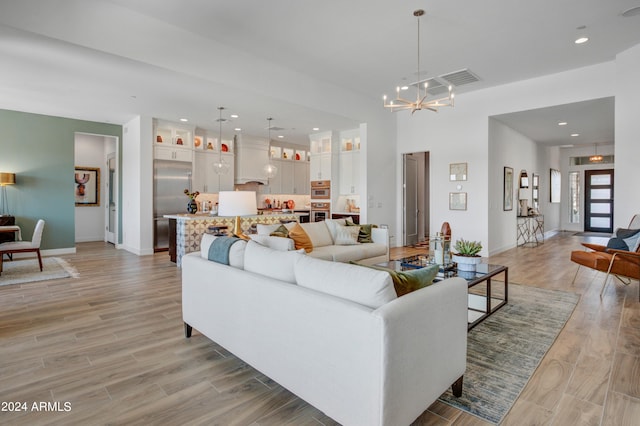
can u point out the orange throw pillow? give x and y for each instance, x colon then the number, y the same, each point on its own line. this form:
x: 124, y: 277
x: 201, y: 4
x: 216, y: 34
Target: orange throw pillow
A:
x: 300, y: 238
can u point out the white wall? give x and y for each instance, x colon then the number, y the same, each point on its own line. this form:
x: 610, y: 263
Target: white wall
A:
x: 461, y: 134
x: 511, y: 149
x: 627, y: 148
x: 89, y: 220
x: 137, y: 186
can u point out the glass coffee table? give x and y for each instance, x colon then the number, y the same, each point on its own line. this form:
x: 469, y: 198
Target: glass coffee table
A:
x: 483, y: 299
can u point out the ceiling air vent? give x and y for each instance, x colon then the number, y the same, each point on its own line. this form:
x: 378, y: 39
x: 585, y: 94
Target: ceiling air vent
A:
x: 435, y: 87
x: 460, y: 78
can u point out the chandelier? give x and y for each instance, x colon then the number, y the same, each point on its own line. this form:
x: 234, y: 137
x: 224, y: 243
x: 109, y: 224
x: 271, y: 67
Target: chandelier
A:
x: 421, y: 101
x: 220, y: 167
x: 596, y: 158
x: 270, y: 170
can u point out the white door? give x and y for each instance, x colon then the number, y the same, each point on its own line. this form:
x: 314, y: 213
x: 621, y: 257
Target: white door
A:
x: 111, y: 204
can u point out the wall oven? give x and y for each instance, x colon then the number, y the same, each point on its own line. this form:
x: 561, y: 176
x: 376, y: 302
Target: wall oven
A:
x: 320, y: 189
x: 319, y: 211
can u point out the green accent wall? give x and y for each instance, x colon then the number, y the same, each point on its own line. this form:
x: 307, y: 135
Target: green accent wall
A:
x: 39, y: 149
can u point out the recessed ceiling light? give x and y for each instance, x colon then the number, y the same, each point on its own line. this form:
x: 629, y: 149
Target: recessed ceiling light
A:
x: 566, y: 146
x: 316, y: 128
x: 238, y: 129
x: 573, y: 135
x: 581, y: 40
x: 184, y: 119
x: 234, y: 115
x: 404, y: 88
x: 280, y: 136
x: 562, y: 123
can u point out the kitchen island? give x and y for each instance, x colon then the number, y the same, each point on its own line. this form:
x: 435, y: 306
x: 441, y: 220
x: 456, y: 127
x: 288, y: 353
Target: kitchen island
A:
x: 185, y: 230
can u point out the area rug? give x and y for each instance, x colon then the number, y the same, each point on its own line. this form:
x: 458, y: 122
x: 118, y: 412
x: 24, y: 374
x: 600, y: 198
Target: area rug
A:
x: 27, y: 270
x: 505, y: 349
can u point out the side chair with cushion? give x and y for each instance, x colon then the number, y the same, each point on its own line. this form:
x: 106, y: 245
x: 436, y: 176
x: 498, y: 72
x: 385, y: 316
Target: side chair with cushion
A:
x: 620, y: 257
x: 24, y: 246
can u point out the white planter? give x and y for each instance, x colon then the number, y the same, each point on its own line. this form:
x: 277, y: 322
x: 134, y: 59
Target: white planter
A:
x: 466, y: 263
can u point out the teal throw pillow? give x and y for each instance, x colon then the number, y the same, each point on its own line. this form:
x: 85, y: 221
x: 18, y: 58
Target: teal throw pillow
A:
x: 625, y: 239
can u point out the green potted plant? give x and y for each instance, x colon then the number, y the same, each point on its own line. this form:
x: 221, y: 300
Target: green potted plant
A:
x: 467, y: 256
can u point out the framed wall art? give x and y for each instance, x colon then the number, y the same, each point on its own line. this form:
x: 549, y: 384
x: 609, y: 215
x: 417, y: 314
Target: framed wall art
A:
x: 554, y: 189
x: 457, y: 171
x: 87, y: 186
x: 457, y: 201
x: 507, y: 196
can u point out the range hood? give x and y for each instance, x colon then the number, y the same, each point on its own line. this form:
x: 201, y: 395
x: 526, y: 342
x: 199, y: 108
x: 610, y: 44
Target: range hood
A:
x: 252, y: 154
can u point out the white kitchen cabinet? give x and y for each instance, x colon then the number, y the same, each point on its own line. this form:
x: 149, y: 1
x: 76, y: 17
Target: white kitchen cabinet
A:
x: 349, y: 172
x: 205, y: 179
x: 320, y: 168
x: 172, y: 153
x: 301, y: 177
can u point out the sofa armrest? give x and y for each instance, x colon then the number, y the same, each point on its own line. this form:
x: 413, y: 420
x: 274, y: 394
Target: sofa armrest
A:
x: 426, y: 344
x: 380, y: 236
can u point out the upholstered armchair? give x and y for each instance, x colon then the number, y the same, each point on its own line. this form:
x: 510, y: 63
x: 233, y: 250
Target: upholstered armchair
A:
x: 32, y: 246
x: 624, y: 264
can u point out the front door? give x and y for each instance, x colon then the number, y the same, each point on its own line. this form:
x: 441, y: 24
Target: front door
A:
x: 598, y: 201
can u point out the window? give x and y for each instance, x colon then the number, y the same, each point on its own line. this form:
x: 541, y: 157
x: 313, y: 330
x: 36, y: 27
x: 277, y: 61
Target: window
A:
x: 574, y: 197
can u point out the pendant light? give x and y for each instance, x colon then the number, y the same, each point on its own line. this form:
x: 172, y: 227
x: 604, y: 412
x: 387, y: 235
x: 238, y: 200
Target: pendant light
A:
x: 596, y: 158
x: 220, y: 167
x: 270, y: 170
x: 421, y: 102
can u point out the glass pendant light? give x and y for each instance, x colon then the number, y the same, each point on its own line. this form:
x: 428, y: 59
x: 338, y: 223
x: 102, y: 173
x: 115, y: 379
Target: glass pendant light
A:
x: 220, y: 167
x: 270, y: 170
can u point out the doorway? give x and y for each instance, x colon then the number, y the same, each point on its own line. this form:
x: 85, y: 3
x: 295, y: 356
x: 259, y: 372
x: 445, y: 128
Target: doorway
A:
x: 598, y: 200
x: 110, y: 203
x: 415, y: 198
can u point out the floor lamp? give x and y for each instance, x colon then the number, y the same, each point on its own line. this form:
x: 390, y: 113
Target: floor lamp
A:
x: 6, y: 179
x: 237, y: 203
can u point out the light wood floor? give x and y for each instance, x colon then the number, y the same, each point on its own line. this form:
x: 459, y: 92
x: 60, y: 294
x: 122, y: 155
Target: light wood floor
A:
x: 111, y: 344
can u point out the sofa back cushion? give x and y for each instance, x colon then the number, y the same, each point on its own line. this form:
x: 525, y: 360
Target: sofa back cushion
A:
x: 366, y: 286
x: 271, y: 263
x: 318, y: 233
x: 236, y: 252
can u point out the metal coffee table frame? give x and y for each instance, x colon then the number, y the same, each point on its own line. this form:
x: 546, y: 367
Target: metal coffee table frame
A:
x: 480, y: 305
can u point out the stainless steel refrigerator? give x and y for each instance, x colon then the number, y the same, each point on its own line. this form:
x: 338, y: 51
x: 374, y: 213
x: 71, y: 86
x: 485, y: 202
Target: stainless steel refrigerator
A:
x: 170, y: 179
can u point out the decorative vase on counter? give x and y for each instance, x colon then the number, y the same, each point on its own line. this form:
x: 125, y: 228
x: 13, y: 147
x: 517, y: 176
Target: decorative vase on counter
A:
x: 192, y: 206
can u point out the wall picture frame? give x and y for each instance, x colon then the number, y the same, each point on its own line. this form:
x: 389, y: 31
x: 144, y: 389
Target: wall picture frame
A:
x: 507, y: 196
x: 87, y: 186
x: 457, y: 201
x: 457, y: 171
x: 554, y: 185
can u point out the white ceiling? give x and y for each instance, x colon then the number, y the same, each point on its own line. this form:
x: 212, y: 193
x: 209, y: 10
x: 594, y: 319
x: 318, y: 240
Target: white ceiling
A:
x: 113, y: 60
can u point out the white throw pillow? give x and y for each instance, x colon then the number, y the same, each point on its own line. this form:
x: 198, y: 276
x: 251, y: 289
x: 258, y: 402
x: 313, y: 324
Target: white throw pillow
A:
x: 346, y: 235
x: 318, y: 233
x: 264, y: 229
x: 366, y: 286
x: 278, y: 243
x: 332, y: 224
x: 271, y: 263
x: 236, y: 252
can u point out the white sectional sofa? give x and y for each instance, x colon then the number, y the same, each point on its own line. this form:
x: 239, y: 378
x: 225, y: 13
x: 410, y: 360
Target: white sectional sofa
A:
x: 334, y: 334
x: 327, y: 247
